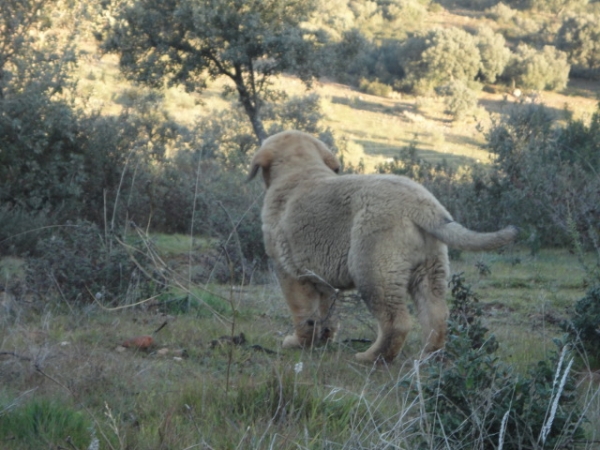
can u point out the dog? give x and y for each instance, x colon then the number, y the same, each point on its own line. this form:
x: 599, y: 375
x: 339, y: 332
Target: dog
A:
x: 384, y: 235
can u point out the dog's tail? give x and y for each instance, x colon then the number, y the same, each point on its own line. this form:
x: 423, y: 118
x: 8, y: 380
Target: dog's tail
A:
x: 454, y: 235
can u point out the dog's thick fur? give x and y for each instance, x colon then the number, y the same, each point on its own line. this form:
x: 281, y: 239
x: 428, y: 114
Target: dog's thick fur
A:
x: 384, y: 235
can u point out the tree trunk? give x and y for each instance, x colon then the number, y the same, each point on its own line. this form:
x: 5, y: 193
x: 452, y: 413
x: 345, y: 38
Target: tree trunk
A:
x: 252, y: 110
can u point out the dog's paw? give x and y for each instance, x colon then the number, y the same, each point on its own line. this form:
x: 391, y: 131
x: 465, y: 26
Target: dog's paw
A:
x: 366, y: 357
x: 291, y: 341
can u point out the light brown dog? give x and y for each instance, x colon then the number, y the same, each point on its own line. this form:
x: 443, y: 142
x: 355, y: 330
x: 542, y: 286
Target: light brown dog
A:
x: 384, y: 235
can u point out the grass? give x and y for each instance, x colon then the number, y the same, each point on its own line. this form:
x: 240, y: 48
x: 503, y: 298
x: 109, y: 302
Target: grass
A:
x: 193, y: 389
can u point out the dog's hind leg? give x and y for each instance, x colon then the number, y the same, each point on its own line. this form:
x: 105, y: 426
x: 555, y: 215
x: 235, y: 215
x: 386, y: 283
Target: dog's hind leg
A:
x: 381, y: 275
x: 428, y: 286
x: 303, y: 299
x: 387, y: 303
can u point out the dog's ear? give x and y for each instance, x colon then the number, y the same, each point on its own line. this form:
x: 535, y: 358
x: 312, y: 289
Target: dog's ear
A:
x: 262, y: 160
x: 329, y: 158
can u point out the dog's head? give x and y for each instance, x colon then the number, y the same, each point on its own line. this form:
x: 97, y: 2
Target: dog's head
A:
x: 291, y: 148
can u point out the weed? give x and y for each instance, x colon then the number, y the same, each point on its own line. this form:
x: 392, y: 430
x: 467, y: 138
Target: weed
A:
x: 473, y: 397
x: 44, y: 423
x: 584, y: 325
x: 77, y: 264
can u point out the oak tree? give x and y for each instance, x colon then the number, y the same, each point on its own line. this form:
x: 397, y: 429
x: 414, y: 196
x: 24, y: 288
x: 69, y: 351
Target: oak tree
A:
x: 189, y: 42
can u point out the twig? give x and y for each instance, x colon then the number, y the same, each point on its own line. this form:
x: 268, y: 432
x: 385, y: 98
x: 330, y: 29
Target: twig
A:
x: 39, y: 369
x: 161, y: 327
x: 116, y: 308
x: 163, y: 266
x: 15, y: 354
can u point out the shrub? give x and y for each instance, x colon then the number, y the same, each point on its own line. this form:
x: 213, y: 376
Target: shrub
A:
x: 579, y: 37
x: 374, y: 87
x: 20, y: 229
x: 540, y: 182
x: 501, y: 12
x: 579, y: 142
x: 79, y: 264
x: 529, y: 68
x: 472, y: 397
x: 494, y: 54
x: 584, y: 325
x: 438, y: 57
x: 458, y: 98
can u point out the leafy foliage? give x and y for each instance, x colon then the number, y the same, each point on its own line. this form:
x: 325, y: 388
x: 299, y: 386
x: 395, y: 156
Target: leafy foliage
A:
x: 560, y: 196
x: 529, y: 68
x: 40, y: 155
x: 493, y: 52
x: 440, y: 56
x: 472, y: 397
x: 78, y: 264
x: 579, y: 37
x: 375, y: 88
x: 458, y: 98
x: 190, y: 42
x: 584, y: 326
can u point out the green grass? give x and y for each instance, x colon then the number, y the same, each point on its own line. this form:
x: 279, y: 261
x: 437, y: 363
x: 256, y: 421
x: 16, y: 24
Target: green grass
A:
x: 196, y: 393
x: 44, y: 423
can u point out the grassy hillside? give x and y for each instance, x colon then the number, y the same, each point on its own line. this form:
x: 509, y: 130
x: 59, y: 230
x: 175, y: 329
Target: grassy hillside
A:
x: 375, y: 128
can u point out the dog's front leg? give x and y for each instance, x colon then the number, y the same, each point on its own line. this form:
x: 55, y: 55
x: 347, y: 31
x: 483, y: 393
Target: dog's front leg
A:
x: 303, y: 299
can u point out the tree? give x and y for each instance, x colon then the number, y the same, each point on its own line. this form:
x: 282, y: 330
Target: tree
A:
x: 31, y: 51
x: 458, y: 98
x: 494, y: 53
x: 530, y: 68
x: 579, y: 36
x: 39, y: 151
x: 189, y: 42
x: 440, y: 56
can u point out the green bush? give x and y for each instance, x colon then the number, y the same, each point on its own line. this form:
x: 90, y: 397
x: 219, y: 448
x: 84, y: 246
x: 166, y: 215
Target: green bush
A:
x: 584, y: 325
x: 458, y: 98
x: 20, y: 230
x: 494, y: 54
x: 79, y: 264
x: 543, y: 178
x: 374, y: 87
x: 472, y: 397
x: 500, y: 12
x: 529, y: 68
x: 579, y: 37
x: 579, y: 142
x: 438, y: 57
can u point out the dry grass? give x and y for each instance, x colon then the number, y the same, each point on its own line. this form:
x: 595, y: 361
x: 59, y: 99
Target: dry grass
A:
x: 375, y: 128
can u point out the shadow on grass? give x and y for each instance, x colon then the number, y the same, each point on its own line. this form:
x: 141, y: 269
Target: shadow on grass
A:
x: 359, y: 103
x: 583, y: 88
x: 386, y: 150
x: 504, y: 106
